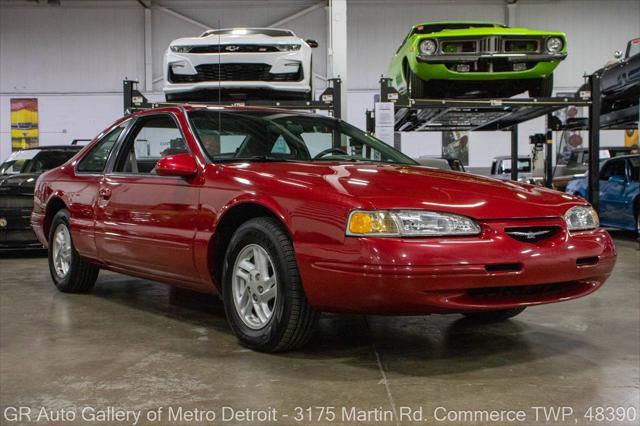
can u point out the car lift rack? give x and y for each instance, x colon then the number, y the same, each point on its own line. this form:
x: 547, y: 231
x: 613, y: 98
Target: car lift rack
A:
x: 505, y: 115
x: 329, y: 100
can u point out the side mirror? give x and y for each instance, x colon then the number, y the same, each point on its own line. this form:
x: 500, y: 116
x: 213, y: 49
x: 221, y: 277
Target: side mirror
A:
x: 181, y: 165
x: 617, y: 54
x: 617, y: 179
x: 312, y: 43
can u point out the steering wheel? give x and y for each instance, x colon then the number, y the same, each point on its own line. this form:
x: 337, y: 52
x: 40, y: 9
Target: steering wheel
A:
x: 329, y: 151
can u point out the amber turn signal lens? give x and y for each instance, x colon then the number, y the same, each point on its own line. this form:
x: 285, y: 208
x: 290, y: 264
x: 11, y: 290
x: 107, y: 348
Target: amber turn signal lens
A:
x: 360, y: 223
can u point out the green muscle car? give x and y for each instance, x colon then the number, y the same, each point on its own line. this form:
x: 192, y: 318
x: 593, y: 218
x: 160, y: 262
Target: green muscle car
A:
x: 476, y: 59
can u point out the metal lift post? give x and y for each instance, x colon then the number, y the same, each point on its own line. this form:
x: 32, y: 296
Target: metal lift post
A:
x: 548, y: 159
x: 514, y: 152
x: 594, y: 141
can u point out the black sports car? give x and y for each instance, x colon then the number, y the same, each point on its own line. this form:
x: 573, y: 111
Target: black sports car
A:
x: 18, y: 176
x: 620, y: 81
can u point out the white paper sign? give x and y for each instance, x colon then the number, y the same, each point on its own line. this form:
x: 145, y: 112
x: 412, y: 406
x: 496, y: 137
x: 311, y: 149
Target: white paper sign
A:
x: 385, y: 120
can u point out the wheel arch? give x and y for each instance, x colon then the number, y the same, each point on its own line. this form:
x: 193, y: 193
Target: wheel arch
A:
x: 405, y: 66
x: 54, y: 205
x: 229, y: 221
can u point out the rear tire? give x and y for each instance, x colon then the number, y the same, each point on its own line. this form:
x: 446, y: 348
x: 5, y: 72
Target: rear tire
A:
x: 542, y: 88
x: 262, y: 291
x: 70, y: 273
x: 493, y: 316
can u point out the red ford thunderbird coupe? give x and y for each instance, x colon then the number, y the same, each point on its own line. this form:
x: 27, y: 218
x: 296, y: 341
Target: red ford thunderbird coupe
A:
x: 286, y: 215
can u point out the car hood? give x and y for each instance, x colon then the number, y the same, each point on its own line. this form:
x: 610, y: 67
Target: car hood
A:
x: 24, y: 183
x: 235, y: 39
x: 383, y: 186
x: 493, y: 31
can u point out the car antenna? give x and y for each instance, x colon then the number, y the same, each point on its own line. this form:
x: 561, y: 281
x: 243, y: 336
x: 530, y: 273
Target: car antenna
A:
x: 219, y: 88
x: 219, y: 66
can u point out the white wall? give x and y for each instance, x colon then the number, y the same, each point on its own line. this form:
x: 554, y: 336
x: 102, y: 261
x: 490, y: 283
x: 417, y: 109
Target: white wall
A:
x: 595, y: 30
x: 73, y: 57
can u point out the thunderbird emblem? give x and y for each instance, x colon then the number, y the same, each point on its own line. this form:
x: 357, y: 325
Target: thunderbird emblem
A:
x: 528, y: 235
x: 232, y: 48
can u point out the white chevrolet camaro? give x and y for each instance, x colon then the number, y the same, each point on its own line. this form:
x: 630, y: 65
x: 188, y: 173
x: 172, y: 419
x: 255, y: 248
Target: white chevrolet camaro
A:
x: 240, y: 63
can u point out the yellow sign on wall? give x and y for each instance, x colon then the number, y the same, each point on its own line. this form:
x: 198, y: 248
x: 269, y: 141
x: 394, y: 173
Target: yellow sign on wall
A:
x: 631, y: 137
x: 24, y: 123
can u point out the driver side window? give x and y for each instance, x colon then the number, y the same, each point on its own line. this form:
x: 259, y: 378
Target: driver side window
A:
x: 612, y: 168
x: 153, y: 138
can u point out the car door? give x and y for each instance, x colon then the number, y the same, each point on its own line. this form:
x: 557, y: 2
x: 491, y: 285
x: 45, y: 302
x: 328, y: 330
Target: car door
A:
x: 630, y: 193
x: 82, y: 191
x: 613, y: 181
x: 146, y: 223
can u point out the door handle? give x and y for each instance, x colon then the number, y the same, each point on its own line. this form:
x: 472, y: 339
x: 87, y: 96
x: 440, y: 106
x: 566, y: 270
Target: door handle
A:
x: 105, y: 193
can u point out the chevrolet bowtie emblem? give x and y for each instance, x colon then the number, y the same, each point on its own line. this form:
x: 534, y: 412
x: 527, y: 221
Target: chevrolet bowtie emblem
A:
x: 231, y: 48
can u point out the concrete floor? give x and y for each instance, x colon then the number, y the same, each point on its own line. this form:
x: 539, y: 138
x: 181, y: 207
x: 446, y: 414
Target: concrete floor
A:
x: 137, y: 345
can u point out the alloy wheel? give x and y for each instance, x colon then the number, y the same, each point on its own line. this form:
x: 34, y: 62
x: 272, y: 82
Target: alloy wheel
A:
x: 254, y: 286
x: 61, y: 249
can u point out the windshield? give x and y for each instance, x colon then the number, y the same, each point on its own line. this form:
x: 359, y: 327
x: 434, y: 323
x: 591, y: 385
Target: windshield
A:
x: 250, y: 31
x: 283, y: 136
x: 633, y: 47
x: 436, y: 28
x: 524, y: 166
x: 34, y: 161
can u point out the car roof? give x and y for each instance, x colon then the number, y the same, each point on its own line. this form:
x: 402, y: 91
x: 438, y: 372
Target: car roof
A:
x: 459, y: 22
x: 186, y: 107
x: 622, y: 157
x: 55, y: 147
x: 212, y: 30
x: 508, y: 157
x: 621, y: 148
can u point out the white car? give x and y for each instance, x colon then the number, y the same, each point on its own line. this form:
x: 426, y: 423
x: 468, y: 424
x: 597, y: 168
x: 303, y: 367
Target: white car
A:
x: 240, y: 63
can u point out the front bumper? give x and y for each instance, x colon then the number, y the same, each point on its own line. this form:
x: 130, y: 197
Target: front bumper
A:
x: 15, y: 230
x: 485, y: 67
x: 511, y: 57
x: 279, y: 63
x: 445, y: 275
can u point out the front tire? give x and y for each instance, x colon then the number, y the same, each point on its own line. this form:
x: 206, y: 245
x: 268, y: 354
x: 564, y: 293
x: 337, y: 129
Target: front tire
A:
x: 70, y: 273
x: 262, y: 292
x: 415, y: 85
x: 493, y: 316
x: 542, y: 88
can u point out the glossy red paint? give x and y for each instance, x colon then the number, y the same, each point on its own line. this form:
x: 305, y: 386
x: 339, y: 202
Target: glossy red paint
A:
x: 163, y: 227
x: 180, y: 165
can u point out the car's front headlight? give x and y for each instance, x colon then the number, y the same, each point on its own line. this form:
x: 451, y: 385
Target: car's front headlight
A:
x: 554, y: 44
x: 180, y: 49
x: 288, y: 47
x: 581, y: 218
x: 428, y: 47
x: 409, y: 223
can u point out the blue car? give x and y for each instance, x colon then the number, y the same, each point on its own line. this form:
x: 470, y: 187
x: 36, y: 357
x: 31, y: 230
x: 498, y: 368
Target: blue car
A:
x: 619, y: 192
